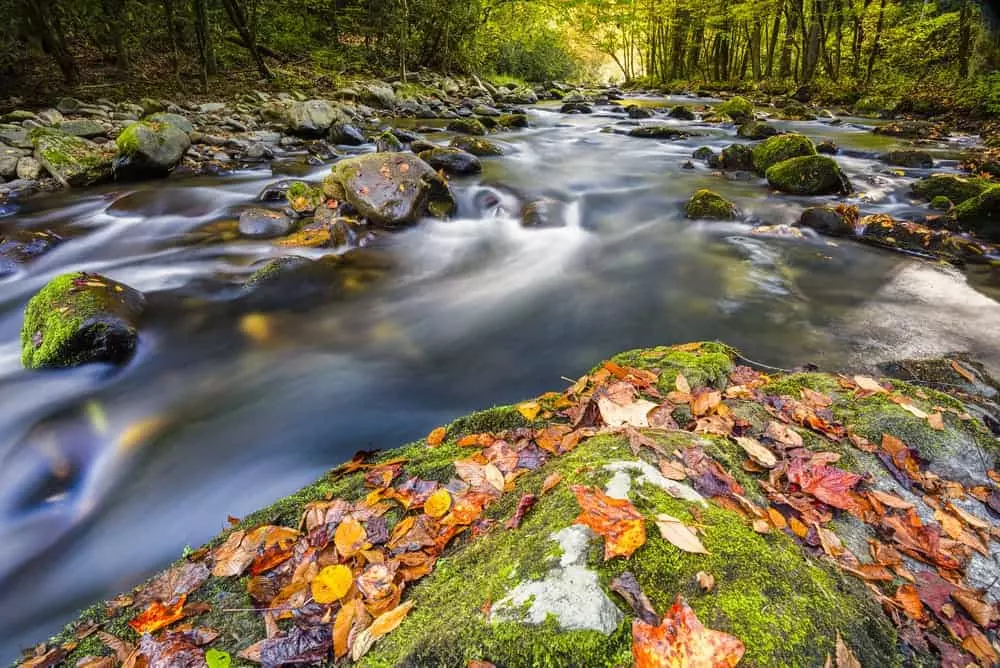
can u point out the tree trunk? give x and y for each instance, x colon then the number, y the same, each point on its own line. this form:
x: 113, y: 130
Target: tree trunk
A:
x: 203, y: 32
x: 43, y: 17
x: 964, y: 38
x: 791, y: 25
x: 772, y: 45
x: 239, y: 21
x: 168, y: 11
x: 877, y: 45
x: 111, y: 14
x: 755, y: 49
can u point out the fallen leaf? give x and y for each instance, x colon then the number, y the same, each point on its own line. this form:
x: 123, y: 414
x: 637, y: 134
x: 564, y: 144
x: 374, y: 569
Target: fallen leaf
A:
x: 827, y: 483
x: 436, y: 437
x: 783, y: 434
x: 672, y: 470
x: 523, y: 506
x: 216, y: 658
x: 529, y: 410
x: 936, y: 421
x: 869, y: 384
x: 158, y: 616
x: 757, y: 452
x: 298, y: 645
x: 331, y: 584
x: 494, y: 477
x: 168, y: 586
x: 845, y: 657
x: 705, y: 580
x: 761, y: 526
x: 680, y: 536
x: 890, y: 500
x: 438, y: 504
x: 682, y: 384
x: 626, y: 586
x: 682, y: 641
x: 622, y: 526
x: 350, y: 537
x: 981, y: 612
x: 551, y: 481
x: 963, y: 372
x: 617, y: 415
x: 342, y: 625
x: 384, y: 624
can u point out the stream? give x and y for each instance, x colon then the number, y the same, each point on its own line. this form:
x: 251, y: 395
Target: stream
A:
x: 468, y: 313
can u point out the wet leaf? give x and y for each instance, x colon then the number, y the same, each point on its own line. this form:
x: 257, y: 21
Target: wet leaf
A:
x: 622, y: 526
x: 438, y: 504
x: 626, y: 586
x: 869, y: 384
x: 672, y: 470
x: 675, y: 532
x: 342, y: 625
x: 331, y: 584
x: 384, y: 624
x: 827, y: 483
x: 551, y: 481
x: 981, y: 612
x: 529, y: 410
x: 845, y: 657
x: 168, y: 586
x: 963, y: 372
x: 682, y: 641
x: 158, y: 616
x: 436, y: 437
x: 783, y: 434
x: 757, y: 452
x: 350, y: 537
x: 494, y: 477
x: 890, y: 500
x: 299, y: 645
x: 936, y: 421
x: 217, y: 658
x: 523, y: 506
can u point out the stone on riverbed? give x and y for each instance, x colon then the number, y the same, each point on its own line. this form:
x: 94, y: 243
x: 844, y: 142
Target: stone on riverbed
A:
x: 19, y: 246
x: 708, y: 205
x: 756, y: 130
x: 73, y: 161
x: 150, y: 148
x: 737, y: 108
x: 658, y: 132
x: 909, y: 158
x: 956, y: 188
x: 346, y: 134
x: 476, y: 146
x: 391, y: 189
x: 452, y: 161
x: 828, y: 221
x: 981, y: 215
x: 79, y: 318
x: 735, y: 157
x: 260, y: 223
x: 777, y: 149
x: 468, y: 126
x: 312, y: 118
x: 809, y: 175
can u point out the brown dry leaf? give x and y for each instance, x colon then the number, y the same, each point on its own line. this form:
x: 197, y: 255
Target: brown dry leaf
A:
x: 705, y: 580
x: 705, y: 401
x: 232, y: 557
x: 158, y: 616
x: 96, y: 662
x: 476, y: 663
x: 890, y: 500
x: 682, y: 641
x: 963, y: 372
x: 951, y: 524
x: 436, y: 437
x: 438, y: 504
x: 845, y: 657
x: 622, y: 526
x: 757, y: 452
x: 969, y: 518
x: 761, y: 526
x: 869, y: 384
x: 179, y: 580
x: 983, y: 613
x: 680, y: 536
x: 634, y: 413
x: 350, y: 537
x: 782, y: 433
x: 493, y: 476
x: 682, y: 384
x: 385, y: 623
x: 672, y: 470
x: 121, y: 648
x: 909, y: 599
x: 936, y: 421
x: 979, y: 646
x: 797, y: 527
x: 816, y: 399
x: 551, y: 481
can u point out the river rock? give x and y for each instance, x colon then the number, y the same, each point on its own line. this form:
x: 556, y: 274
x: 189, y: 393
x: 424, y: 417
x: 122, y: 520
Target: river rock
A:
x: 82, y: 127
x: 777, y: 149
x: 809, y: 175
x: 578, y: 107
x: 708, y: 205
x: 378, y: 95
x: 260, y: 223
x: 827, y: 147
x: 453, y: 161
x: 513, y: 120
x: 912, y: 130
x: 178, y: 121
x: 345, y: 134
x: 392, y: 189
x: 149, y: 148
x: 8, y: 166
x: 658, y: 132
x: 50, y: 117
x: 544, y: 213
x: 73, y: 161
x: 735, y: 157
x: 388, y: 143
x: 312, y: 118
x: 28, y: 168
x: 79, y: 318
x: 19, y: 246
x: 303, y: 198
x: 737, y: 108
x: 476, y: 146
x: 981, y: 215
x: 955, y: 188
x: 68, y: 105
x: 827, y: 221
x: 908, y: 158
x: 469, y: 126
x: 681, y: 113
x: 756, y: 130
x: 636, y: 112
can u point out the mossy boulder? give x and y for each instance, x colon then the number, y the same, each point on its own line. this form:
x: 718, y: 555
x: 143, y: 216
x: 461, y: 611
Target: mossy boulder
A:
x: 681, y: 113
x: 981, y: 215
x: 737, y: 108
x: 708, y: 205
x: 387, y: 142
x: 513, y: 120
x: 150, y: 148
x: 909, y: 158
x: 304, y: 198
x: 182, y: 123
x: 778, y: 149
x: 79, y: 318
x: 703, y: 153
x: 312, y: 118
x: 476, y: 146
x: 809, y: 175
x: 73, y: 161
x: 912, y: 130
x: 956, y: 188
x: 658, y: 132
x: 391, y: 189
x: 453, y: 161
x: 941, y: 203
x: 756, y: 130
x: 467, y: 126
x: 735, y: 157
x: 827, y: 220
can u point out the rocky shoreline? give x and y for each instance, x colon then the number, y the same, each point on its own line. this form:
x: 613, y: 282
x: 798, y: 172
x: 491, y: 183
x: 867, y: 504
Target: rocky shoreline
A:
x: 810, y: 517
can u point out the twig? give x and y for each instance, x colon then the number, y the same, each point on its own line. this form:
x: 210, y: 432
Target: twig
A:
x: 755, y: 363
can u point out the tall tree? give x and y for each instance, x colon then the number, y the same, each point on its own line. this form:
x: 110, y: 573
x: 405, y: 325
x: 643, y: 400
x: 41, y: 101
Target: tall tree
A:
x: 43, y: 18
x: 239, y: 20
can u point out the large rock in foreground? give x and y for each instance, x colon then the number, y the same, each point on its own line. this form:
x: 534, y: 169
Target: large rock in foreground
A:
x: 73, y: 161
x: 150, y: 148
x: 391, y: 189
x: 79, y: 318
x: 981, y: 215
x: 790, y: 512
x: 780, y: 148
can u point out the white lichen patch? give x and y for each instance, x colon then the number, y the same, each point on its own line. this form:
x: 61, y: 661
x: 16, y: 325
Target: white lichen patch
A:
x: 570, y: 593
x: 621, y: 482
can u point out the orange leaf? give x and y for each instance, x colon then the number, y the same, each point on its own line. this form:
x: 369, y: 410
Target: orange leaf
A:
x: 332, y: 584
x: 551, y: 481
x: 342, y: 631
x: 436, y: 437
x: 350, y: 537
x: 622, y: 526
x: 158, y: 616
x: 682, y: 641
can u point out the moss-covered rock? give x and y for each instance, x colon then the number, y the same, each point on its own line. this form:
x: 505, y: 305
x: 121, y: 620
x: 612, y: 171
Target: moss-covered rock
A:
x: 827, y: 220
x: 708, y: 205
x: 703, y: 153
x: 73, y: 161
x: 737, y: 108
x: 681, y: 112
x: 909, y: 158
x: 476, y: 146
x: 304, y: 198
x: 809, y: 175
x: 79, y: 318
x: 941, y: 203
x: 778, y: 149
x: 147, y: 148
x: 391, y: 189
x: 956, y: 188
x: 912, y: 130
x: 981, y: 215
x: 658, y: 132
x: 513, y: 120
x: 735, y: 157
x: 468, y: 126
x: 386, y: 142
x: 756, y: 130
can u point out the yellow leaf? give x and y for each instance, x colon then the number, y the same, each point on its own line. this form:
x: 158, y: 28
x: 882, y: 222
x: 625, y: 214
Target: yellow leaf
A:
x: 331, y: 584
x: 256, y: 327
x: 869, y: 384
x: 529, y: 409
x: 438, y: 503
x: 350, y: 537
x: 436, y: 437
x: 385, y: 623
x: 682, y: 384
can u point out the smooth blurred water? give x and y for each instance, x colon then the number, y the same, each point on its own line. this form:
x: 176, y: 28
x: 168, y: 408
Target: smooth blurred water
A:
x: 474, y: 312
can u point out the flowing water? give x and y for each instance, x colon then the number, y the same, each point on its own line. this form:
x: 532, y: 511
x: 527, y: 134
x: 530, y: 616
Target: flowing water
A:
x: 105, y: 475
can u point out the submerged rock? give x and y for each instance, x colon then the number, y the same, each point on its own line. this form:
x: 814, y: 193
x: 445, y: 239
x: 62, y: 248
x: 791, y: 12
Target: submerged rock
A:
x: 346, y: 134
x: 829, y: 221
x: 79, y: 318
x: 259, y: 223
x: 73, y: 161
x: 476, y: 146
x: 658, y: 132
x: 544, y: 213
x: 18, y: 247
x: 150, y: 148
x: 708, y: 205
x: 392, y: 189
x: 809, y: 175
x: 778, y: 149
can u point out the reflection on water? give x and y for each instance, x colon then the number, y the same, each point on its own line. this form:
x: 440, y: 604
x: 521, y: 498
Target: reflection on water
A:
x: 105, y: 476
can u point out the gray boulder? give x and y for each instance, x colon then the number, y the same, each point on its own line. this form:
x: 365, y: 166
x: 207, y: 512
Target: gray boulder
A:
x: 148, y: 148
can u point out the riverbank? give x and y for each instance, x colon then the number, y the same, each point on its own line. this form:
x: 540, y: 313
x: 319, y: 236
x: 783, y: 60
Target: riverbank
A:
x: 808, y: 515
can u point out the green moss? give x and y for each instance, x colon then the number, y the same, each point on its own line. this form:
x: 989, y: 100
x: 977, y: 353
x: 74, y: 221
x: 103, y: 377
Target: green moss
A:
x: 738, y: 108
x: 128, y: 141
x: 791, y: 385
x: 498, y: 418
x: 736, y: 156
x: 469, y: 126
x: 778, y: 149
x: 708, y: 364
x: 808, y: 175
x: 941, y: 203
x: 304, y: 198
x: 708, y: 205
x: 981, y: 215
x: 955, y: 188
x: 73, y: 161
